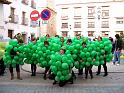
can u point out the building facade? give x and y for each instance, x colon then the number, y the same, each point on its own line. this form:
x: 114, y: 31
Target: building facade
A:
x: 2, y: 2
x: 48, y: 26
x: 17, y: 19
x: 90, y: 18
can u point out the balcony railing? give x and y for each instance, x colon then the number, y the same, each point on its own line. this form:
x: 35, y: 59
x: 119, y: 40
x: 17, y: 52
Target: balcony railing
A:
x: 64, y: 17
x: 6, y: 1
x: 25, y: 2
x: 14, y: 19
x: 77, y: 17
x: 24, y: 21
x: 33, y: 4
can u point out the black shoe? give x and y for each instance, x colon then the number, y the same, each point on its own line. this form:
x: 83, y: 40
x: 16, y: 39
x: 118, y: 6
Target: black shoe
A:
x: 105, y: 75
x: 32, y: 74
x: 85, y: 77
x: 44, y: 77
x: 97, y: 73
x: 91, y: 77
x: 54, y: 82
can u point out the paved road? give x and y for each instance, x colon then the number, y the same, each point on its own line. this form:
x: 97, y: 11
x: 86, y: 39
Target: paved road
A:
x: 34, y: 88
x: 113, y: 83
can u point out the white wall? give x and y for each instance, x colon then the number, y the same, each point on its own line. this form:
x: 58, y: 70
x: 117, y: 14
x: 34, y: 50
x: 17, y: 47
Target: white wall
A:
x: 1, y: 21
x: 115, y: 10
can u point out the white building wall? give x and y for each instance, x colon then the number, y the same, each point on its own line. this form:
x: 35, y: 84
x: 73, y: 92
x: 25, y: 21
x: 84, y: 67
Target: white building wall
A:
x: 115, y: 10
x: 1, y: 21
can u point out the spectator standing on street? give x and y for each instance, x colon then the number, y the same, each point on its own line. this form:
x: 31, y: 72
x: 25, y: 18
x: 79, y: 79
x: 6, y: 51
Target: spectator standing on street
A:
x: 118, y: 48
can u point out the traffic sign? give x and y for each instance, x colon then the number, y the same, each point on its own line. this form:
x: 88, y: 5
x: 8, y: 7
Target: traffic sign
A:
x: 34, y: 15
x: 45, y: 14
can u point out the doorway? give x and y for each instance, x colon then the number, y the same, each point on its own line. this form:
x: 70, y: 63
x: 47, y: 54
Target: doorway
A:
x: 10, y: 33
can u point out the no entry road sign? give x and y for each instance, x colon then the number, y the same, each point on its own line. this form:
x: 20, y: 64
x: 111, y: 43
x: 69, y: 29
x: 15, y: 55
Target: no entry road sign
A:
x: 34, y: 15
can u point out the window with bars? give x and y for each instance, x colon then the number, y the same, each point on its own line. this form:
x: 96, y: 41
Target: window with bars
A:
x: 105, y: 14
x: 64, y: 33
x: 64, y: 25
x: 77, y: 25
x: 105, y: 33
x: 91, y: 24
x: 77, y: 12
x: 64, y: 14
x: 77, y: 33
x: 91, y: 12
x: 105, y: 24
x: 91, y: 33
x: 119, y: 20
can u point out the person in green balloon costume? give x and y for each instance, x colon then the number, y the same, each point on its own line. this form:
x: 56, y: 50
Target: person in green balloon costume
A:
x: 14, y: 53
x: 47, y: 68
x: 70, y: 79
x: 104, y: 65
x: 33, y: 66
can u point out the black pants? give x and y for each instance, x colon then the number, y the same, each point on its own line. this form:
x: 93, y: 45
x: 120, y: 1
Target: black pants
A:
x: 80, y: 71
x: 33, y: 68
x: 17, y: 68
x: 46, y: 70
x: 88, y: 69
x: 2, y: 67
x: 104, y: 66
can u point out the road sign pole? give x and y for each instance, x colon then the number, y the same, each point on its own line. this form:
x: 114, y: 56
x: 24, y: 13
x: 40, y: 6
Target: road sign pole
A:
x: 39, y: 25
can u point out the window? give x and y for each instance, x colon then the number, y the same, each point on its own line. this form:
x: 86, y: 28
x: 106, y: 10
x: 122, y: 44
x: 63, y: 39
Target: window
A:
x: 64, y: 25
x: 77, y: 25
x: 119, y: 20
x: 25, y: 2
x: 77, y: 33
x: 77, y: 12
x: 64, y: 33
x: 90, y: 33
x: 24, y: 19
x: 12, y: 13
x: 91, y: 24
x: 33, y: 4
x: 64, y: 14
x: 105, y: 24
x: 91, y: 12
x: 105, y: 14
x: 105, y: 33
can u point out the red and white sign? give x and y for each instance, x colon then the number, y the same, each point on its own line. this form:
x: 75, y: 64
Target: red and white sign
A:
x: 34, y: 15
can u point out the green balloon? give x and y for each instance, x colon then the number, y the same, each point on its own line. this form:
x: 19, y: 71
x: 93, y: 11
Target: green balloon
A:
x: 93, y: 53
x: 82, y: 54
x: 89, y: 59
x: 106, y: 48
x: 85, y: 50
x: 101, y: 46
x: 76, y: 64
x: 57, y: 78
x: 71, y: 48
x: 65, y: 66
x: 102, y: 51
x: 58, y: 63
x: 54, y: 68
x: 64, y: 59
x: 59, y: 74
x: 75, y: 51
x: 62, y: 78
x: 87, y: 64
x: 96, y: 63
x: 87, y: 54
x: 101, y: 62
x: 74, y: 56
